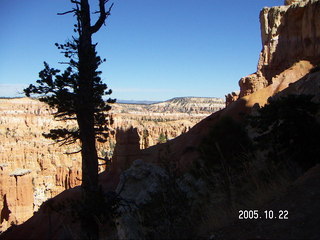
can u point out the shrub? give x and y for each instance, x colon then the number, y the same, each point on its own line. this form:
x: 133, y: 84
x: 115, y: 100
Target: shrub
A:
x: 289, y: 131
x: 224, y: 153
x: 162, y: 138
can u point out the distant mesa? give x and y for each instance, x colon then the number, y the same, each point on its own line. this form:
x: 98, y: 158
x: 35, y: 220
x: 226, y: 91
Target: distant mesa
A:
x: 142, y: 102
x: 196, y: 100
x: 189, y: 105
x: 175, y: 99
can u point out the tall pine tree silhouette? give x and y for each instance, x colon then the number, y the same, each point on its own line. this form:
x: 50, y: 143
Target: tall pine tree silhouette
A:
x: 77, y: 92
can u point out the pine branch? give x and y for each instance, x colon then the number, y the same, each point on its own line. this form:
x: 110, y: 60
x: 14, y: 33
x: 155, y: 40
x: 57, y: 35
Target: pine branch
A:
x: 66, y: 142
x: 66, y: 119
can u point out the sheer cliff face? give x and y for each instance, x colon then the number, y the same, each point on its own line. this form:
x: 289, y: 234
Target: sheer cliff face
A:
x: 289, y: 34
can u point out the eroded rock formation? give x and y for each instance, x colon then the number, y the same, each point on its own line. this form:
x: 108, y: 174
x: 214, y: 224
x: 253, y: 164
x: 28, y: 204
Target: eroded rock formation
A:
x: 16, y: 196
x: 289, y: 34
x: 289, y: 2
x: 127, y: 148
x: 33, y: 169
x: 232, y: 97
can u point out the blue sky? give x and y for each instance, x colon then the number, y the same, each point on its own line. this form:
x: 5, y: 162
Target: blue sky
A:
x: 155, y: 50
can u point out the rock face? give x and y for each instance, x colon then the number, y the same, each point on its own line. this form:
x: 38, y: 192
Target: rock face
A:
x: 232, y: 97
x: 289, y: 34
x: 137, y: 184
x: 16, y: 195
x: 127, y: 148
x: 154, y: 129
x: 32, y: 168
x: 289, y: 2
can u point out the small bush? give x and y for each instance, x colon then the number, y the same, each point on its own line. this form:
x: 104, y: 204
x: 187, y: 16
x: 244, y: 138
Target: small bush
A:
x: 162, y: 138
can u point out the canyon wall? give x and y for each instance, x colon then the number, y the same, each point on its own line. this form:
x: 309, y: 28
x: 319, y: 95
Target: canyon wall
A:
x: 289, y: 34
x: 33, y: 169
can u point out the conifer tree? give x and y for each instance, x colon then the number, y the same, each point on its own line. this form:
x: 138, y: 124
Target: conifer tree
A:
x: 77, y: 92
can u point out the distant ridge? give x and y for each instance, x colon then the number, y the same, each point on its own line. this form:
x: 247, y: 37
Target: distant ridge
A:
x: 11, y: 97
x: 191, y: 99
x: 142, y: 102
x: 174, y: 100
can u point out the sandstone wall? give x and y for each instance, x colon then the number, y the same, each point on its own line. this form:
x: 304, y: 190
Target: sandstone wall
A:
x: 32, y: 169
x: 289, y: 34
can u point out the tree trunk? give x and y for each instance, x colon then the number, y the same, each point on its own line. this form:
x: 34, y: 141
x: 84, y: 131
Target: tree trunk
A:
x: 85, y: 117
x: 85, y: 102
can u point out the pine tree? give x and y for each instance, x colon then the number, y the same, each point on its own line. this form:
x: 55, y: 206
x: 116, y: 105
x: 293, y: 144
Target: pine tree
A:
x: 77, y: 93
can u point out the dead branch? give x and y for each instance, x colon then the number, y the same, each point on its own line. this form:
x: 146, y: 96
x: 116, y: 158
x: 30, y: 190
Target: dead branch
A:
x: 71, y: 153
x: 76, y: 2
x: 103, y: 15
x: 71, y: 11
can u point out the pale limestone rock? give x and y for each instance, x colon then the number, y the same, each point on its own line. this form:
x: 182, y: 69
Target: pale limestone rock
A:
x: 15, y: 197
x: 289, y: 34
x: 140, y: 181
x: 20, y: 172
x: 290, y: 2
x: 143, y: 184
x: 137, y: 184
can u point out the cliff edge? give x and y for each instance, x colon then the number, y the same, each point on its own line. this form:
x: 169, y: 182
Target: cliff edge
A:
x: 289, y: 34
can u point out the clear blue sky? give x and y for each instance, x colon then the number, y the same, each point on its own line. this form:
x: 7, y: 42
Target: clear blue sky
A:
x: 155, y: 50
